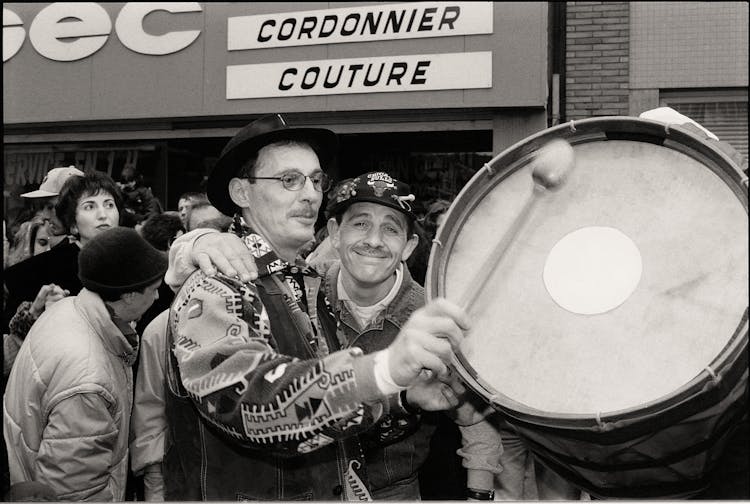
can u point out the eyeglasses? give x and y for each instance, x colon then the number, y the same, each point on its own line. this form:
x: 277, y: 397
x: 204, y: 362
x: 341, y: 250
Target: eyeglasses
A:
x: 294, y: 180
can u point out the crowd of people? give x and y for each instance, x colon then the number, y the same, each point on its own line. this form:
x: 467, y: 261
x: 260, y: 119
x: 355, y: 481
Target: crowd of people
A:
x: 230, y: 350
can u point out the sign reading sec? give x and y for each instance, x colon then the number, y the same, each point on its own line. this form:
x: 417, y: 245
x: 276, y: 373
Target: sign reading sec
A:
x: 70, y: 31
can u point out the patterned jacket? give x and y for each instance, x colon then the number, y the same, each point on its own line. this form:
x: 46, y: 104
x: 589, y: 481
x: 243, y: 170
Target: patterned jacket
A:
x: 271, y: 383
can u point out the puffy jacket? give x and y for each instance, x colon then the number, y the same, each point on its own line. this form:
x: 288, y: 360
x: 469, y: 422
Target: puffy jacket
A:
x: 67, y: 405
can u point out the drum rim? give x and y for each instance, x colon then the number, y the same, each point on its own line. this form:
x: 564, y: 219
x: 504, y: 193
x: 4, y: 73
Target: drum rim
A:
x: 516, y: 157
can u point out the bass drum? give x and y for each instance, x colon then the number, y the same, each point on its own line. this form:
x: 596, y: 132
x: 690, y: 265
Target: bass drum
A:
x: 613, y: 331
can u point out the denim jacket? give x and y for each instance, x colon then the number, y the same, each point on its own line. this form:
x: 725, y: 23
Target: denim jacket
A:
x: 398, y: 445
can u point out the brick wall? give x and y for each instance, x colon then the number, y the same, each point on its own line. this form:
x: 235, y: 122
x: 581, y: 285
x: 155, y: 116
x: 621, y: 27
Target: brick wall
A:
x: 597, y: 64
x: 688, y: 44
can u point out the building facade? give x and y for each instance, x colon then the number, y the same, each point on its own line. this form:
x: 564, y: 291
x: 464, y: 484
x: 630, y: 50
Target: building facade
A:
x: 428, y: 91
x: 623, y: 58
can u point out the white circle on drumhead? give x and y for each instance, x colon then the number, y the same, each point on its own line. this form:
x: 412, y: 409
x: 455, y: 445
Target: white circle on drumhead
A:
x: 592, y: 270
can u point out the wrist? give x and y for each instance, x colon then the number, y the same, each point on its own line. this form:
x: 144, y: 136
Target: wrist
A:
x: 201, y: 233
x: 478, y: 494
x: 406, y: 405
x: 35, y: 310
x: 383, y: 377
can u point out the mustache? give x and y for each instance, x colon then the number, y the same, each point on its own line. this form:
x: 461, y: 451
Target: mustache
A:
x: 308, y: 212
x: 366, y: 250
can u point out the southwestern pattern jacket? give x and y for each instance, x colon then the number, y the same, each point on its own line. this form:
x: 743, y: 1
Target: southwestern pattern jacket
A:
x: 231, y: 365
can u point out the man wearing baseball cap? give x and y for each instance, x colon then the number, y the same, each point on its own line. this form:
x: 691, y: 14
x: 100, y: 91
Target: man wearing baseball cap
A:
x: 281, y: 395
x: 47, y: 194
x: 372, y: 293
x: 69, y: 396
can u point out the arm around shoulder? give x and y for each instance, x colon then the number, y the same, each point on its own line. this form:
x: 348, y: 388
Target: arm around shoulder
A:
x: 227, y: 355
x: 181, y: 264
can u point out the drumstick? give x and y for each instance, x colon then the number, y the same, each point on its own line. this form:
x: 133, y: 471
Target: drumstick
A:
x: 552, y: 164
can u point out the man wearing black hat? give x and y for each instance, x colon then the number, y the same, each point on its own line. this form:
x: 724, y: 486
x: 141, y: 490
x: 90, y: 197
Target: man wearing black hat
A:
x: 281, y: 395
x: 69, y: 396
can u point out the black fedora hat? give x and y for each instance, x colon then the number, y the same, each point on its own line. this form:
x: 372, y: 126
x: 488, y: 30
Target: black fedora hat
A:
x: 249, y: 140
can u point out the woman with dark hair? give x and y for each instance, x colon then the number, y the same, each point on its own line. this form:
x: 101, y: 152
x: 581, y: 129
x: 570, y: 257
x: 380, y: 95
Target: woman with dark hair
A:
x: 86, y: 206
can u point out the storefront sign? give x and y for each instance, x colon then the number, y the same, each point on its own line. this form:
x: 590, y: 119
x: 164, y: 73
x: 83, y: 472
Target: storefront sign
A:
x: 418, y: 72
x: 66, y: 31
x: 359, y: 24
x: 29, y: 167
x: 105, y: 61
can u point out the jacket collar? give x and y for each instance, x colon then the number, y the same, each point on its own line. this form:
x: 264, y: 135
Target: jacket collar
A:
x: 409, y: 297
x: 266, y: 259
x: 93, y: 309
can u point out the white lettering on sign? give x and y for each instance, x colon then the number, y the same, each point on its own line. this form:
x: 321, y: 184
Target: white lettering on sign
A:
x: 129, y: 27
x: 359, y: 24
x: 13, y: 34
x: 70, y: 31
x: 416, y: 72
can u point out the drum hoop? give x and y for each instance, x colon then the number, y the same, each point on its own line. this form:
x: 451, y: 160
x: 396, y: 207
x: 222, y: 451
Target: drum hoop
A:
x: 519, y: 155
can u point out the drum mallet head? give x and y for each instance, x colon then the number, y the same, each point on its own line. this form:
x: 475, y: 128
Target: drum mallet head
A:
x: 552, y: 163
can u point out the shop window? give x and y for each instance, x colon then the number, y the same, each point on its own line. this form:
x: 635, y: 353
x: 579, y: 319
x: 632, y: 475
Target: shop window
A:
x: 435, y: 164
x: 189, y: 163
x: 24, y: 166
x: 724, y: 113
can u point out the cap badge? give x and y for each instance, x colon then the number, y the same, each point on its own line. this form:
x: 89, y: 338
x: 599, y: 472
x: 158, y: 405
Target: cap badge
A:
x: 346, y: 191
x: 380, y: 182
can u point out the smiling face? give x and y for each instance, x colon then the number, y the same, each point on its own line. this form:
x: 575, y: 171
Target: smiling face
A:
x: 95, y: 213
x: 285, y: 218
x: 371, y: 241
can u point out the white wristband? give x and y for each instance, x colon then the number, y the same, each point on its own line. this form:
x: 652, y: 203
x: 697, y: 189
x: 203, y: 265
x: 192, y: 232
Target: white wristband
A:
x: 383, y: 377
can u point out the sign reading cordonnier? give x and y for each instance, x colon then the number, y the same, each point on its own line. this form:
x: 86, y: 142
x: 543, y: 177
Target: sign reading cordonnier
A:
x: 398, y: 73
x: 359, y: 24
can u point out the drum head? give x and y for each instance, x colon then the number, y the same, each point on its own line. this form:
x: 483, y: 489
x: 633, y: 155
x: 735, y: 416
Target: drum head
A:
x: 621, y: 286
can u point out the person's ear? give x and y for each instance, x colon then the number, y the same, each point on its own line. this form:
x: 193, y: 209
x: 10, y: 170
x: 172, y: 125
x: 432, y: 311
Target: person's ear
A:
x: 411, y: 244
x: 239, y: 191
x: 333, y: 231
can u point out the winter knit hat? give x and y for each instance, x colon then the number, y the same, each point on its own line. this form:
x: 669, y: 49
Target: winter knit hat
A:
x: 119, y: 260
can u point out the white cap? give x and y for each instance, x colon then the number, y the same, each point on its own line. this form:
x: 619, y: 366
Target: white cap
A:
x: 53, y: 182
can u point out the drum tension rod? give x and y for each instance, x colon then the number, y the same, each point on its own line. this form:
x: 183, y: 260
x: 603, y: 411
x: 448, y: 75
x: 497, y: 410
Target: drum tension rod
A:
x: 437, y: 242
x: 604, y: 426
x: 490, y: 169
x: 714, y: 377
